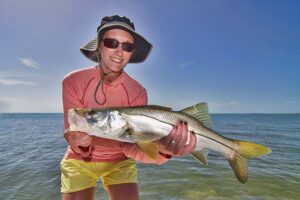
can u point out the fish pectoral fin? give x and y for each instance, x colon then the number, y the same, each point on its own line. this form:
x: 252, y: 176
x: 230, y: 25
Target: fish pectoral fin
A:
x: 150, y: 149
x: 201, y: 155
x: 239, y: 161
x: 200, y: 112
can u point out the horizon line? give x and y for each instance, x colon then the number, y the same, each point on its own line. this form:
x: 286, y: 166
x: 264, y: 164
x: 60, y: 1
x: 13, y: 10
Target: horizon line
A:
x: 209, y: 113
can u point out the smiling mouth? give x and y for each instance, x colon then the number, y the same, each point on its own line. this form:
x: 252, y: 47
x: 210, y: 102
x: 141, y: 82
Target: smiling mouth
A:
x: 117, y: 60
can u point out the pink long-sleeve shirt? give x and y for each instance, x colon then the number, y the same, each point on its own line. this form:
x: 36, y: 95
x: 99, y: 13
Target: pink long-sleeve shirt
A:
x: 78, y: 89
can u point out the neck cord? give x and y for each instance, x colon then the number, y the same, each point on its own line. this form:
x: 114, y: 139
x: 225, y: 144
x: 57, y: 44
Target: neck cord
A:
x: 100, y: 83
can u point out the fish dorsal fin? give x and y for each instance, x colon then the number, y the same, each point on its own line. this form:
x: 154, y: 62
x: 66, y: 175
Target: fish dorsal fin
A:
x: 159, y: 107
x: 201, y: 155
x: 150, y: 149
x: 200, y: 112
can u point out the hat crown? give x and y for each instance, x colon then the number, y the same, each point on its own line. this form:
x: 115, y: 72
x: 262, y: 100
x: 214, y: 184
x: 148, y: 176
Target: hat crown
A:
x: 115, y: 18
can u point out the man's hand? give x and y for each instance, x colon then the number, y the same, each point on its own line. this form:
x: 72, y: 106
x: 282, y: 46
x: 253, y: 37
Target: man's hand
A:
x: 175, y: 142
x: 80, y: 142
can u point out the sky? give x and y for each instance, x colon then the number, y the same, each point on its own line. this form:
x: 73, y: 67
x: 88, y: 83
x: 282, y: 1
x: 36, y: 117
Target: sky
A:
x: 239, y: 56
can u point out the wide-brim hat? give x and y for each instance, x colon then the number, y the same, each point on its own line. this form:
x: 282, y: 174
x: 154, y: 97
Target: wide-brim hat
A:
x: 142, y: 46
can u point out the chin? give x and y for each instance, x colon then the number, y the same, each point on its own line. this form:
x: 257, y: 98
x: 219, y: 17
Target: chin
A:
x: 117, y: 68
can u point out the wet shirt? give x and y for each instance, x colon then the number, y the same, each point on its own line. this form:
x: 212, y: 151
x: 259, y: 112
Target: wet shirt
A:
x: 78, y: 92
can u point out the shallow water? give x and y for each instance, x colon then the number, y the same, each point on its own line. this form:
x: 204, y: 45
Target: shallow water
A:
x: 32, y: 146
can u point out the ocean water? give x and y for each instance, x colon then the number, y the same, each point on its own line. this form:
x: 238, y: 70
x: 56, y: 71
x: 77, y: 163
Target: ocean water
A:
x: 31, y: 147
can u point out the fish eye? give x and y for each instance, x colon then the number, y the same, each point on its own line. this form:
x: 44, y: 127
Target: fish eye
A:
x: 91, y: 112
x: 102, y: 115
x: 97, y: 116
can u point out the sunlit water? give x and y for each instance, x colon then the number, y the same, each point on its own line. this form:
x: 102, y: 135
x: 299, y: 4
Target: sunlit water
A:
x: 32, y: 146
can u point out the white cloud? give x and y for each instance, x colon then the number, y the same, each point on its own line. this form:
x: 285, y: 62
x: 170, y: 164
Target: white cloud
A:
x: 12, y: 79
x: 293, y: 102
x: 29, y: 62
x: 186, y: 64
x: 11, y: 82
x: 11, y: 99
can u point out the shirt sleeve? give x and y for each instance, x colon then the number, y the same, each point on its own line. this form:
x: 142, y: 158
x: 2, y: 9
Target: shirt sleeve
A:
x: 141, y: 99
x: 70, y: 97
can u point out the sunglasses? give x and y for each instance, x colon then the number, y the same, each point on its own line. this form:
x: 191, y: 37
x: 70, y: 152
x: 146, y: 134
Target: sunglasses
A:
x: 113, y: 44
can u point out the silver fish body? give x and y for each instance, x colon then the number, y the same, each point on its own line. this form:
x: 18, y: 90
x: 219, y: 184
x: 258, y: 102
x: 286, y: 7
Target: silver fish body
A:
x: 146, y: 124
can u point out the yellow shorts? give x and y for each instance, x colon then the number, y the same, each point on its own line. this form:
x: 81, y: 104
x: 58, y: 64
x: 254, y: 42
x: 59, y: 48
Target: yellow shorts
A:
x: 78, y: 175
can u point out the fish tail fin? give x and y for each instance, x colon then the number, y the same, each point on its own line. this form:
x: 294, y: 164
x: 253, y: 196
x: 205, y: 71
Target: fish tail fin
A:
x: 239, y: 160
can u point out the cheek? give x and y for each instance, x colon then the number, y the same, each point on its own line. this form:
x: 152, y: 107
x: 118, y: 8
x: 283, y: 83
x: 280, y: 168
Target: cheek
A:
x: 127, y: 55
x: 104, y: 55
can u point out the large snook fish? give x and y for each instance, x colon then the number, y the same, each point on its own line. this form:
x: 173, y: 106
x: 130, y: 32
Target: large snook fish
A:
x: 145, y: 124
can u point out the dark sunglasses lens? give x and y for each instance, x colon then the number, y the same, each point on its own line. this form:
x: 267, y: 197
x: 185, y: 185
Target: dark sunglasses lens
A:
x: 128, y: 47
x: 111, y: 43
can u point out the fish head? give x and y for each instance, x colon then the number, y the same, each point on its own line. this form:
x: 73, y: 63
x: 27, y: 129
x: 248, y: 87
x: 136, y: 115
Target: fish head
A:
x: 97, y: 118
x: 107, y: 123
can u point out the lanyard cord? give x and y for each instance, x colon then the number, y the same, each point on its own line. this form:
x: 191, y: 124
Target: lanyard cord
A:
x: 100, y: 84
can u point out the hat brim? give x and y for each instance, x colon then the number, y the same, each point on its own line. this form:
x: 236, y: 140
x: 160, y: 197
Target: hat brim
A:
x: 141, y: 52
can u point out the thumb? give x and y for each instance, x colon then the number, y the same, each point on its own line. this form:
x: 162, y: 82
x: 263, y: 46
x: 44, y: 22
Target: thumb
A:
x: 76, y: 149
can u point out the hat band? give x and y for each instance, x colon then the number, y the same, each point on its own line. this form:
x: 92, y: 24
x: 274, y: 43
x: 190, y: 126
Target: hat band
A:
x: 122, y: 24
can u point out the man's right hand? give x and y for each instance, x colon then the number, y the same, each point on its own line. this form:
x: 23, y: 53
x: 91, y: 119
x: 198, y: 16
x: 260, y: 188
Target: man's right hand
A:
x: 80, y: 142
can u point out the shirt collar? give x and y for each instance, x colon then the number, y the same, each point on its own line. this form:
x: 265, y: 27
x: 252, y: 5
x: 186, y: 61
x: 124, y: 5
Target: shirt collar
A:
x: 115, y: 82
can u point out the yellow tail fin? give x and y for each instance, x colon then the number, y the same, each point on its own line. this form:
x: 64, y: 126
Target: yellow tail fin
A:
x: 246, y: 150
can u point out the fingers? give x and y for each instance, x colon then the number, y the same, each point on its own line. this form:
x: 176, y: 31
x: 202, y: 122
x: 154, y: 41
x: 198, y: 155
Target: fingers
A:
x: 80, y: 143
x: 76, y: 149
x: 166, y: 141
x: 176, y: 142
x: 175, y: 137
x: 191, y: 146
x: 183, y: 134
x: 181, y: 139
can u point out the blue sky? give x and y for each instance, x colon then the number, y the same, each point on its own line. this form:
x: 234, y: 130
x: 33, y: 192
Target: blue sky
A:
x: 239, y: 56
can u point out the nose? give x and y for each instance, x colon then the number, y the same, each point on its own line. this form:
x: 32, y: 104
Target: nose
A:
x: 119, y: 50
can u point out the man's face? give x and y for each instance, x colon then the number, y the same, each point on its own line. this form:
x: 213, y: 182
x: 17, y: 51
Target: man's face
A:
x: 114, y: 60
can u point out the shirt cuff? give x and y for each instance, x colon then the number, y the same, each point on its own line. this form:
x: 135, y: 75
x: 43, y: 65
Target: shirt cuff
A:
x: 165, y: 155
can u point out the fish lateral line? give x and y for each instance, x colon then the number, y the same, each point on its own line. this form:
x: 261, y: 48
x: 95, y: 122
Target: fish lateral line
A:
x: 195, y: 132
